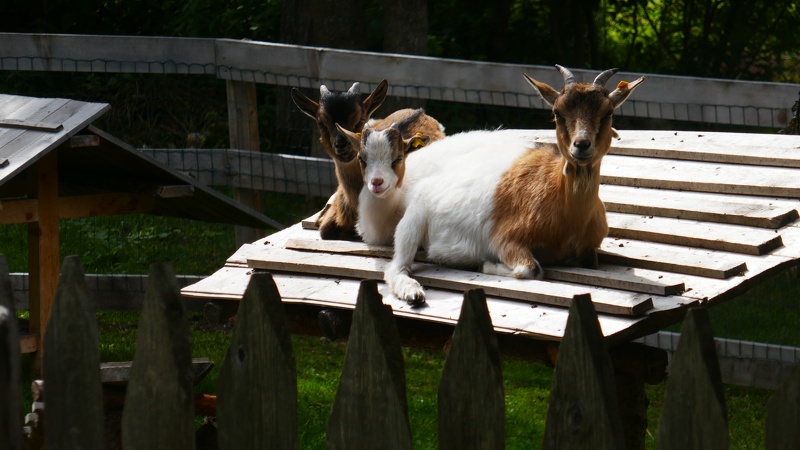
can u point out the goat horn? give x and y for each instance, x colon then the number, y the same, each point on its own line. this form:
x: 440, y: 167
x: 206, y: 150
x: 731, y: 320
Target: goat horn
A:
x: 569, y: 78
x: 353, y: 89
x: 603, y: 77
x: 323, y: 90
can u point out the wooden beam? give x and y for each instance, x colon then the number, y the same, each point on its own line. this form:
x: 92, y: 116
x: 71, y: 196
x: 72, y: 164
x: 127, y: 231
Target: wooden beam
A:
x: 177, y: 191
x: 73, y: 207
x: 43, y: 253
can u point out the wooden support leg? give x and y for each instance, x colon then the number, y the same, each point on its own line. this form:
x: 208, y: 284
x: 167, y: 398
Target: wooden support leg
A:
x: 43, y: 242
x: 243, y: 134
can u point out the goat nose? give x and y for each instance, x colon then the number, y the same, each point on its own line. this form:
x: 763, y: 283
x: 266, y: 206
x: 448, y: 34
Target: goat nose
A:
x: 377, y: 181
x: 582, y: 144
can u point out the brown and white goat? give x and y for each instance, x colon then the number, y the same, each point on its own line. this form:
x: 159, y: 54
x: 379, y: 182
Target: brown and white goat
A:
x: 348, y: 110
x: 384, y: 154
x: 502, y: 202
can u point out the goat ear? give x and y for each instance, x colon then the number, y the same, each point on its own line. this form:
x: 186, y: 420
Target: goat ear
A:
x: 416, y: 142
x: 377, y: 97
x: 547, y: 93
x: 354, y: 138
x: 308, y: 106
x: 622, y: 91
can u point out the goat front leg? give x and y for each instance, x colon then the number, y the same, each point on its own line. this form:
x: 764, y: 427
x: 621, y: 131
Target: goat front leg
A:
x: 515, y: 261
x: 407, y: 239
x: 338, y: 220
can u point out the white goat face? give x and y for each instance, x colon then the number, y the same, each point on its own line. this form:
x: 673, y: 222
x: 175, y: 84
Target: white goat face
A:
x: 381, y: 159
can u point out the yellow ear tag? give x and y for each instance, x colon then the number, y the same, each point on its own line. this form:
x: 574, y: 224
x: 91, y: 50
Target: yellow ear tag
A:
x: 622, y: 85
x: 418, y: 134
x: 358, y: 135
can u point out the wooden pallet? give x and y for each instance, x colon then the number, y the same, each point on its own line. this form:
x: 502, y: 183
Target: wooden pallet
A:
x: 694, y: 218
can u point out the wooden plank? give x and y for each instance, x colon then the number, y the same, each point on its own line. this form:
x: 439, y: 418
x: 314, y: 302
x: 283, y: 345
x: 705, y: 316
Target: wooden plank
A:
x: 694, y: 385
x: 23, y: 108
x: 700, y: 176
x: 783, y: 410
x: 471, y: 394
x: 608, y: 301
x: 29, y: 343
x: 740, y: 210
x: 614, y: 280
x: 370, y: 409
x: 84, y: 140
x: 161, y: 371
x: 670, y: 258
x: 733, y: 148
x: 575, y: 397
x: 508, y: 316
x: 30, y: 125
x: 10, y: 365
x: 119, y: 372
x: 71, y: 366
x: 109, y: 54
x: 252, y: 170
x: 667, y: 97
x: 691, y: 233
x: 257, y: 384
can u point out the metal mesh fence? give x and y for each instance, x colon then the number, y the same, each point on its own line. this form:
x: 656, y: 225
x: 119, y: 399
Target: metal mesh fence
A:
x: 178, y: 113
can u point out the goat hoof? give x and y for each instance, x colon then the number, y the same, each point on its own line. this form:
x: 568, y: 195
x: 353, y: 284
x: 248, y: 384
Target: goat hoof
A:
x: 416, y: 301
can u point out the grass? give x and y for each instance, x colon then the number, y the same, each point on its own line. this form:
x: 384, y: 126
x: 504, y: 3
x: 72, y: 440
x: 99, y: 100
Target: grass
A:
x: 768, y: 313
x: 319, y: 364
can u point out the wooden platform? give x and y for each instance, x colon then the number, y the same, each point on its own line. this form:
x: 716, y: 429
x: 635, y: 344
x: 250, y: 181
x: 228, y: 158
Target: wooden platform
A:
x: 695, y: 218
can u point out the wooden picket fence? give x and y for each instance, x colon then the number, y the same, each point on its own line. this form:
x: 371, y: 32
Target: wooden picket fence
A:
x: 257, y: 385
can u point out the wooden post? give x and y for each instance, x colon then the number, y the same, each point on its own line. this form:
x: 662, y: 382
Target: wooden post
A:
x: 10, y: 407
x: 583, y: 392
x: 159, y: 403
x: 783, y: 414
x: 43, y: 242
x: 694, y: 414
x: 370, y: 409
x: 243, y: 133
x: 257, y: 386
x: 74, y: 414
x: 471, y: 393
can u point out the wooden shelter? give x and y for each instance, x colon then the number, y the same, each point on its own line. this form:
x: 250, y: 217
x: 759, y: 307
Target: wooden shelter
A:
x: 55, y: 165
x: 695, y: 219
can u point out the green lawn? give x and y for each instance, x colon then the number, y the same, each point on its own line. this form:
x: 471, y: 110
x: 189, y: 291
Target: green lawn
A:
x: 768, y: 313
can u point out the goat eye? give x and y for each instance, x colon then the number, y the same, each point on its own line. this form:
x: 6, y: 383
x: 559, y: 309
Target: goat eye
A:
x: 362, y: 161
x: 397, y: 160
x: 558, y: 116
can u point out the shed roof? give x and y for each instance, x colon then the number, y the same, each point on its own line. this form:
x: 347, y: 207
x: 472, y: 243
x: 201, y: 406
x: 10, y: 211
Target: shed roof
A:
x: 92, y: 162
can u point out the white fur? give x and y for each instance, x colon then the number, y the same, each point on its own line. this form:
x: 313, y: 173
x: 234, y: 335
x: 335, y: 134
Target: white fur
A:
x: 450, y: 203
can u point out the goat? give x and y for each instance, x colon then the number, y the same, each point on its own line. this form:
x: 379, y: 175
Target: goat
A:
x: 382, y: 154
x: 503, y: 201
x: 349, y: 111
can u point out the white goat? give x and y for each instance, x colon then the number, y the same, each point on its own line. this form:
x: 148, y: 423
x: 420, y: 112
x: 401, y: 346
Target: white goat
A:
x: 383, y: 154
x: 502, y: 199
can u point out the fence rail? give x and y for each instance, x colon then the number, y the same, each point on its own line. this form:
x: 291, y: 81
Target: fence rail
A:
x: 257, y: 397
x: 691, y: 99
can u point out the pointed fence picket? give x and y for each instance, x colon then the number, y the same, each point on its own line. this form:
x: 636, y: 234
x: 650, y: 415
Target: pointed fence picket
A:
x: 257, y: 389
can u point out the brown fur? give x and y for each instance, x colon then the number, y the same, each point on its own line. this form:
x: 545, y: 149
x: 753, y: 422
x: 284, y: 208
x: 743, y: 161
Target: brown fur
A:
x: 547, y: 205
x: 338, y: 220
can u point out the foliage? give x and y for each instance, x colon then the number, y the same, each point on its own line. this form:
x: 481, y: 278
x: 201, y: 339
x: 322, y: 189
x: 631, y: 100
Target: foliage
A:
x: 717, y: 38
